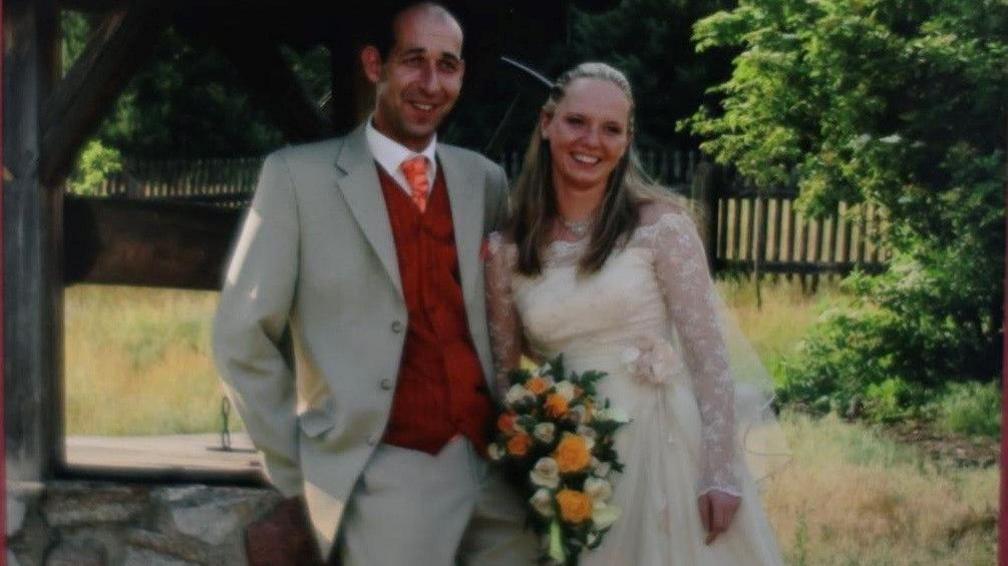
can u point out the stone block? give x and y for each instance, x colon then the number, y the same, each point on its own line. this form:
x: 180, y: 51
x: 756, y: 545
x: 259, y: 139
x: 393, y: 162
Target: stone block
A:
x: 215, y: 514
x: 70, y: 504
x: 145, y: 557
x: 77, y: 553
x: 180, y: 547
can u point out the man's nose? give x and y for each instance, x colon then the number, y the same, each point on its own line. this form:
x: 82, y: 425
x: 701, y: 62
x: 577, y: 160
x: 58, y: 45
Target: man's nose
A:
x: 429, y: 79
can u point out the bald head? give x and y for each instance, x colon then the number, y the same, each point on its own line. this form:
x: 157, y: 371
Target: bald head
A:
x: 387, y: 29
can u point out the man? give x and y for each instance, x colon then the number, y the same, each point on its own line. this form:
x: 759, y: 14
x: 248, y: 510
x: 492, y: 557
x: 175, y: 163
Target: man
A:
x: 367, y: 247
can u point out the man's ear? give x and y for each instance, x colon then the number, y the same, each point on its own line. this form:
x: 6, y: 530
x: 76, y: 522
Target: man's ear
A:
x: 371, y: 63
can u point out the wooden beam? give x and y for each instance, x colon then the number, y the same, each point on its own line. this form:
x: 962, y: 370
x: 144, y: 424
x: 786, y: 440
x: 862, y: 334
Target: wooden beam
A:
x: 1003, y: 496
x: 33, y: 294
x: 351, y: 98
x: 3, y: 181
x: 276, y: 88
x: 120, y: 45
x: 147, y: 243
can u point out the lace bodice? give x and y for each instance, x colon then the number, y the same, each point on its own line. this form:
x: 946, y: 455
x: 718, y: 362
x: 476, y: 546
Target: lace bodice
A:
x: 652, y: 305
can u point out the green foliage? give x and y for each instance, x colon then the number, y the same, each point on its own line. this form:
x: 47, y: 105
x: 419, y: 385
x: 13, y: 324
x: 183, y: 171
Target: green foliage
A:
x: 971, y: 408
x: 96, y: 164
x: 649, y: 40
x: 188, y: 101
x: 891, y: 400
x: 899, y: 103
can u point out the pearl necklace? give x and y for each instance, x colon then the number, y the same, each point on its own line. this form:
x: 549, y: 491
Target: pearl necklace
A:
x: 577, y: 227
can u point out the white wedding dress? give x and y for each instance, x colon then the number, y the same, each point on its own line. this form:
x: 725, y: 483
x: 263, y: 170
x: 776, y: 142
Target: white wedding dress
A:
x: 647, y: 318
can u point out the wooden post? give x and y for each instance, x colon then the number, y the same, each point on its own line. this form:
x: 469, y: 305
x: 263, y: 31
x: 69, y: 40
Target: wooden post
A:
x: 32, y: 221
x: 759, y: 219
x: 3, y: 181
x: 705, y: 198
x: 1003, y: 509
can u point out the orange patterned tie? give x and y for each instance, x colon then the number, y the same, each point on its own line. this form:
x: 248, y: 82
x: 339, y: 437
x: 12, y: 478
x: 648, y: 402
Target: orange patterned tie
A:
x: 415, y: 169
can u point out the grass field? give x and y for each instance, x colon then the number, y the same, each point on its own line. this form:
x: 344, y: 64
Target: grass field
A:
x: 137, y: 362
x: 850, y: 497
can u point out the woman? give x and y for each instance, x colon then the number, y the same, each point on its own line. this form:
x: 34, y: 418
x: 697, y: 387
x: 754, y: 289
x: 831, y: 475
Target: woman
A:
x: 600, y: 266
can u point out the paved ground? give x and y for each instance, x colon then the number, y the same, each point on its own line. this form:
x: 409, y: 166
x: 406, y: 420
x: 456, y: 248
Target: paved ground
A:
x: 189, y: 451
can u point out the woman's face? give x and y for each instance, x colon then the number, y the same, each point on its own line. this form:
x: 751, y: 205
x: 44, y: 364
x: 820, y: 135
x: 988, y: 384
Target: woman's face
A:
x: 588, y: 133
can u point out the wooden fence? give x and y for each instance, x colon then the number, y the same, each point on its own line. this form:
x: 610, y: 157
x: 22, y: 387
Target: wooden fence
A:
x: 745, y: 230
x: 220, y: 182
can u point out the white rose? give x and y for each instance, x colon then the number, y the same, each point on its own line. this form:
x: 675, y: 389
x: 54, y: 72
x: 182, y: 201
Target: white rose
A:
x: 598, y: 489
x: 495, y: 452
x: 545, y: 432
x: 517, y: 394
x: 565, y: 389
x: 611, y: 414
x: 604, y: 515
x: 542, y: 502
x: 546, y: 473
x: 577, y: 414
x: 602, y: 469
x: 587, y: 432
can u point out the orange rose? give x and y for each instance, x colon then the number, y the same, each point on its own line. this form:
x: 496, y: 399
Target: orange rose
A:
x: 575, y: 507
x: 572, y: 454
x: 537, y: 385
x: 519, y: 444
x: 556, y: 405
x: 506, y: 423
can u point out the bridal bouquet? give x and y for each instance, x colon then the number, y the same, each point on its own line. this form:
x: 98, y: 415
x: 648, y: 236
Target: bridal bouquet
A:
x: 557, y: 436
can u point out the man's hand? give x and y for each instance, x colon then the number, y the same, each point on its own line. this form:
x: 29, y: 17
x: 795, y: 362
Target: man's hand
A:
x: 717, y: 509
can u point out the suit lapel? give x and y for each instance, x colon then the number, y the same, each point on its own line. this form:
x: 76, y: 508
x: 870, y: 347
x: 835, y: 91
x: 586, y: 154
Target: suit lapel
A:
x: 465, y: 194
x: 357, y: 179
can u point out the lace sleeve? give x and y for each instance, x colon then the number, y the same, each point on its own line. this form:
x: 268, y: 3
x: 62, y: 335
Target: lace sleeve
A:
x: 681, y: 269
x: 502, y: 315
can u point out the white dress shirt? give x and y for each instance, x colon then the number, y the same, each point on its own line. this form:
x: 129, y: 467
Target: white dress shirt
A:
x: 390, y: 155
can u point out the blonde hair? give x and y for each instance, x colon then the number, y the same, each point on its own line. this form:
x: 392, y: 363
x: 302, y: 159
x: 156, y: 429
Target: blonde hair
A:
x: 627, y: 189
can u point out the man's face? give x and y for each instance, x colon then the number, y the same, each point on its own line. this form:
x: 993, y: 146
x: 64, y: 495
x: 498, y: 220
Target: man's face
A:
x: 419, y: 83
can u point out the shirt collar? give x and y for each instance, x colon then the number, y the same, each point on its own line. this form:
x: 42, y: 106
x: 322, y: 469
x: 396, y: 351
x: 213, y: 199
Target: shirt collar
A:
x: 390, y: 154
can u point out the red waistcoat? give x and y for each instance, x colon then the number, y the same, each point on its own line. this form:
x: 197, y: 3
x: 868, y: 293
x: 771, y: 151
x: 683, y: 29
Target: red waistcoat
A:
x: 440, y: 391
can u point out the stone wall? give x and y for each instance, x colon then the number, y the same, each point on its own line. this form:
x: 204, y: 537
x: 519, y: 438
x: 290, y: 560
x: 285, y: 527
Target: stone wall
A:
x: 63, y: 523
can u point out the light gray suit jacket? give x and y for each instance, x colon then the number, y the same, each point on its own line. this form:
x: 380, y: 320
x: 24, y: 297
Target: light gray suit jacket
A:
x: 316, y: 253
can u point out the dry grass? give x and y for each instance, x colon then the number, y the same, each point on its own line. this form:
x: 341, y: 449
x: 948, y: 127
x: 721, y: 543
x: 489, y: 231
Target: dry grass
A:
x: 787, y: 312
x: 137, y: 361
x: 850, y: 497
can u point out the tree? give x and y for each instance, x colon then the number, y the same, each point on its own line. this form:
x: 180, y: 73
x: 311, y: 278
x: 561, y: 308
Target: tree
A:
x: 650, y: 41
x: 188, y: 102
x: 900, y: 103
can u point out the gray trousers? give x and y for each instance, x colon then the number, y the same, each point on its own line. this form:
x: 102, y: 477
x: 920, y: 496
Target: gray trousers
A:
x: 412, y: 508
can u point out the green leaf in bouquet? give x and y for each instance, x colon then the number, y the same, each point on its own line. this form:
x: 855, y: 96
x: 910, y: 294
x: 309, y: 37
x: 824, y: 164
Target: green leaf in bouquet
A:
x: 519, y: 376
x: 556, y: 546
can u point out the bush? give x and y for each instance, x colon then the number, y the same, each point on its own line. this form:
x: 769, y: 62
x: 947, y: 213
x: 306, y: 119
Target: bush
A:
x: 96, y: 164
x: 971, y: 408
x: 899, y: 104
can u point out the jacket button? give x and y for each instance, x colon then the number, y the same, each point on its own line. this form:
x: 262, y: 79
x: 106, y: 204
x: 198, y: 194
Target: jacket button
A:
x: 386, y: 384
x: 397, y: 326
